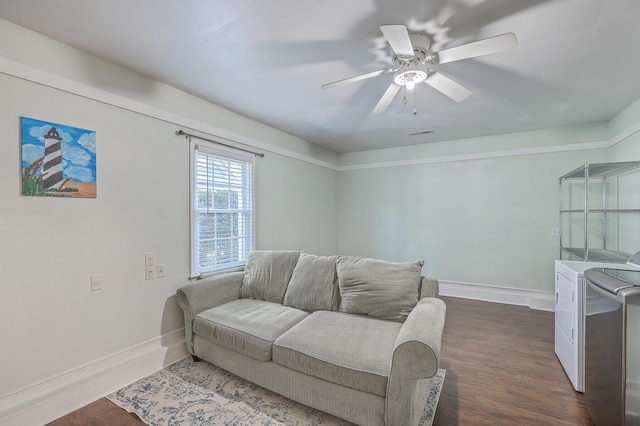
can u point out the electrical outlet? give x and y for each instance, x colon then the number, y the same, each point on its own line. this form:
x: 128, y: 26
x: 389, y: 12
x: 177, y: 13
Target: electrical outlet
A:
x: 149, y: 273
x: 96, y: 282
x: 160, y: 271
x: 149, y: 258
x: 555, y: 231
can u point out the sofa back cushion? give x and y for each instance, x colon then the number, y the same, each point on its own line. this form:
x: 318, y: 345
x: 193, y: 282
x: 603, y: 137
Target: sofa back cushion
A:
x: 267, y: 274
x: 314, y: 284
x: 384, y: 290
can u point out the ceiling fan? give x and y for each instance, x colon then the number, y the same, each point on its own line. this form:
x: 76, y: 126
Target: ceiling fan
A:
x: 412, y: 59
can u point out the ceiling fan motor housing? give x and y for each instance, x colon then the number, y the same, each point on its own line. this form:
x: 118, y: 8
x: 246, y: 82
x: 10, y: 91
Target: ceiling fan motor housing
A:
x: 420, y: 44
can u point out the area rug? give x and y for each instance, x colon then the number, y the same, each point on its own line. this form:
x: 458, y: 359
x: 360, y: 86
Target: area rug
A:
x: 199, y: 393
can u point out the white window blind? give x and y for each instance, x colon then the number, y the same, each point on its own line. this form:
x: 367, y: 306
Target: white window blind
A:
x: 222, y: 209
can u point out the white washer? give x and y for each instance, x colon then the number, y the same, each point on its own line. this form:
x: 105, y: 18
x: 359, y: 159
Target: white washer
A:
x: 570, y: 300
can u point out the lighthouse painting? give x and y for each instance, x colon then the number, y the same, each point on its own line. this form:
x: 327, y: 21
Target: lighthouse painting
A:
x: 57, y: 160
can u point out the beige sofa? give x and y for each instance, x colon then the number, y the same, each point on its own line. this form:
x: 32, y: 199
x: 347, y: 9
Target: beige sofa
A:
x: 355, y: 337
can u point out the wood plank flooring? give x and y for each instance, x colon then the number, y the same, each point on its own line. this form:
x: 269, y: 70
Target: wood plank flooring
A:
x: 501, y: 370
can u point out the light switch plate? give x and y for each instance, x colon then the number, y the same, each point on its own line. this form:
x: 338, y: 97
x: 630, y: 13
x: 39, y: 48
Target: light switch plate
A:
x: 160, y: 270
x: 149, y: 258
x: 149, y: 273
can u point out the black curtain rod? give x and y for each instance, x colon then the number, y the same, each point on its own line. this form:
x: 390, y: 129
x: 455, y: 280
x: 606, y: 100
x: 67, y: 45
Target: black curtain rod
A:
x: 182, y: 133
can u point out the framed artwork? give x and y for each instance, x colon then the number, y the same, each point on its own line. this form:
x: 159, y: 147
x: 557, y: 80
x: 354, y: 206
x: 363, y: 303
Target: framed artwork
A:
x: 57, y: 160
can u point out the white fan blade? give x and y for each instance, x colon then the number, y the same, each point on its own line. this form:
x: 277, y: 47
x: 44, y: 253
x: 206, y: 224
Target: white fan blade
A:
x: 356, y: 78
x: 398, y: 38
x: 386, y: 99
x: 448, y: 87
x: 478, y: 48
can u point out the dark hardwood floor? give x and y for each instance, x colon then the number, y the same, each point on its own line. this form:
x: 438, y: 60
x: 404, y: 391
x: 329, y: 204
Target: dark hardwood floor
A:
x: 501, y: 370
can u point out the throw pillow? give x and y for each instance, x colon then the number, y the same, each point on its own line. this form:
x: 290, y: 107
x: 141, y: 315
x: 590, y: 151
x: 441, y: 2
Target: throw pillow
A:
x: 313, y: 285
x: 384, y: 290
x: 267, y: 274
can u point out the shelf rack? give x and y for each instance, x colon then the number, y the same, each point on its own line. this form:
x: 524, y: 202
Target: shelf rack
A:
x: 599, y: 173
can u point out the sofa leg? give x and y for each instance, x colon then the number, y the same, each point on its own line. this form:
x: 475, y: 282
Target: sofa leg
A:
x: 196, y: 359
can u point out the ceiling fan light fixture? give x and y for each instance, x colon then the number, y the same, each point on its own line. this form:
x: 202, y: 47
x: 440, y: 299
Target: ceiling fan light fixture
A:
x: 410, y: 76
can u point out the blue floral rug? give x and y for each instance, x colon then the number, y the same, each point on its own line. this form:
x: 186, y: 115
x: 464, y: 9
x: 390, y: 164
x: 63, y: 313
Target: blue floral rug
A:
x: 198, y: 393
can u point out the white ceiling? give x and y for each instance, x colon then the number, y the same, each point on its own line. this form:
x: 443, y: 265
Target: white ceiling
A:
x: 577, y: 61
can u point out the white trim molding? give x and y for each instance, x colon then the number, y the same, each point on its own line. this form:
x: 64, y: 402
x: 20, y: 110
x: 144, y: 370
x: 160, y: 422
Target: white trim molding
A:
x: 53, y: 398
x: 57, y: 82
x: 481, y: 155
x: 626, y: 133
x: 534, y: 299
x: 54, y: 81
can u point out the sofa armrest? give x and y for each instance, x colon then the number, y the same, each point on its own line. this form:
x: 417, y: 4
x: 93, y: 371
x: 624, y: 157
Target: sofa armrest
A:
x: 205, y: 294
x: 429, y: 287
x: 416, y: 358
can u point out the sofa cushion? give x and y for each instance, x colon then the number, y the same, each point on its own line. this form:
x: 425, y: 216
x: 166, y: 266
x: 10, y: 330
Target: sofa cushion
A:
x: 384, y: 290
x: 314, y: 284
x: 267, y: 274
x: 349, y: 350
x: 247, y: 326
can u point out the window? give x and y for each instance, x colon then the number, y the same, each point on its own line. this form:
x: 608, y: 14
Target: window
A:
x: 222, y: 219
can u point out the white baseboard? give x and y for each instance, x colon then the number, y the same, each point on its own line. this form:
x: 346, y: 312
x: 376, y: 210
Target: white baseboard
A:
x: 51, y: 399
x: 534, y: 299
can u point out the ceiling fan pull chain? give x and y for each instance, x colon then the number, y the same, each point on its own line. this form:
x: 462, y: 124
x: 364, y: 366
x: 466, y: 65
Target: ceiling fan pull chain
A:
x: 404, y: 98
x: 415, y: 95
